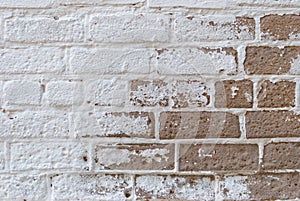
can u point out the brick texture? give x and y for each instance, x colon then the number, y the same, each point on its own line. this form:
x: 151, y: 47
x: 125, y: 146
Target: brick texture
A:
x: 143, y: 100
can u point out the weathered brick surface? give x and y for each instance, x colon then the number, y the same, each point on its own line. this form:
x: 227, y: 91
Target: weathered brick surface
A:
x: 276, y: 94
x: 44, y: 29
x: 117, y: 124
x: 91, y: 187
x: 197, y: 28
x: 111, y: 61
x: 219, y: 4
x: 130, y: 28
x: 270, y: 124
x: 34, y: 124
x: 189, y: 125
x: 186, y: 61
x: 216, y: 157
x: 234, y: 94
x: 175, y: 187
x: 139, y: 156
x: 124, y: 100
x: 272, y: 60
x: 261, y: 187
x: 49, y: 155
x: 280, y: 27
x: 281, y: 156
x: 32, y: 60
x: 23, y: 187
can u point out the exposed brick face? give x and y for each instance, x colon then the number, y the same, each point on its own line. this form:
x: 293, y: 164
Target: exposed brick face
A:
x: 270, y: 124
x: 216, y: 157
x: 277, y: 27
x: 190, y: 125
x: 276, y: 94
x: 143, y: 100
x: 234, y: 94
x: 281, y: 156
x: 264, y: 60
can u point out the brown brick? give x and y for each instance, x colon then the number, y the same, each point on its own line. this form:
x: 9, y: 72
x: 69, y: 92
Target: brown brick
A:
x: 149, y: 93
x: 270, y: 60
x: 276, y: 94
x: 234, y: 94
x: 283, y: 186
x: 179, y: 188
x: 135, y: 156
x: 190, y: 125
x: 282, y: 156
x: 186, y: 93
x: 276, y: 27
x: 269, y: 124
x: 220, y: 157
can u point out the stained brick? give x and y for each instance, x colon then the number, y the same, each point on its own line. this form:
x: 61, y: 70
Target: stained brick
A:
x: 216, y: 157
x: 180, y: 125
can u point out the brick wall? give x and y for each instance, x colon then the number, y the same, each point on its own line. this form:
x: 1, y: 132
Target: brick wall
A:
x: 149, y: 100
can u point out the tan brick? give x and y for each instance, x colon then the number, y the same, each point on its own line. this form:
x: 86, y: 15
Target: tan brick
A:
x: 186, y: 93
x: 282, y: 156
x: 269, y: 124
x: 198, y: 28
x: 276, y: 94
x: 157, y: 187
x: 198, y: 125
x: 261, y: 187
x: 114, y: 124
x: 234, y: 94
x: 149, y: 93
x: 135, y: 156
x: 272, y: 60
x: 212, y: 157
x: 276, y: 27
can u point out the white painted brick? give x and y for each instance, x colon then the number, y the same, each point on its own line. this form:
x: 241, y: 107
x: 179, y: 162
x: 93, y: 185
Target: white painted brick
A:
x: 110, y: 61
x: 183, y: 188
x: 32, y: 124
x: 26, y: 3
x: 197, y: 61
x: 2, y: 156
x: 32, y: 60
x: 112, y: 92
x: 130, y: 28
x: 100, y: 2
x: 218, y: 3
x: 63, y: 93
x: 213, y: 28
x: 23, y: 187
x: 117, y: 124
x: 92, y: 187
x: 20, y: 92
x: 39, y: 29
x: 48, y: 155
